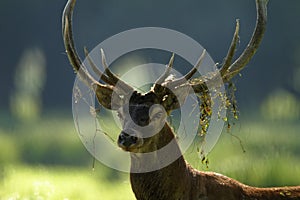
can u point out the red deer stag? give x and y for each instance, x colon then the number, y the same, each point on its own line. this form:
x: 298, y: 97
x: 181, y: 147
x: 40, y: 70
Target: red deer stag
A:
x: 178, y: 180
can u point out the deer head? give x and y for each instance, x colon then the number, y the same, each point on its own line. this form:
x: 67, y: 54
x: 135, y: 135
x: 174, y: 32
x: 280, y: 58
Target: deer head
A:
x: 143, y: 116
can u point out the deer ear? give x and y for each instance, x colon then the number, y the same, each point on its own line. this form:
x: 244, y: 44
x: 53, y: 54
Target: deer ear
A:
x: 107, y: 97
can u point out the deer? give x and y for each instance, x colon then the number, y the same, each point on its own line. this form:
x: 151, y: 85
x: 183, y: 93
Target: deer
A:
x: 178, y: 180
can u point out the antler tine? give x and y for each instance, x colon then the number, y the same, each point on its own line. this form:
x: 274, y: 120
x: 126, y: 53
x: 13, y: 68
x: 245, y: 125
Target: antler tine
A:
x: 248, y: 53
x: 114, y: 78
x: 195, y: 68
x: 231, y: 50
x: 189, y: 75
x: 228, y: 70
x: 95, y: 68
x: 68, y: 35
x: 69, y: 44
x: 165, y: 75
x: 110, y: 74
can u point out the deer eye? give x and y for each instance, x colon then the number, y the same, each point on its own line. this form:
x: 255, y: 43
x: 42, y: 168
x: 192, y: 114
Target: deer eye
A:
x: 157, y: 115
x: 143, y: 119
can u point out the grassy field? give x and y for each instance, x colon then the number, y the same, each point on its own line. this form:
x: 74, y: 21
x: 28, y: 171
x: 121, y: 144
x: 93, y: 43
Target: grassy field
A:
x: 65, y: 183
x: 46, y: 160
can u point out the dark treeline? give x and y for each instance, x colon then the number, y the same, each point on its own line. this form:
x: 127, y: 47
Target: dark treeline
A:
x: 37, y: 24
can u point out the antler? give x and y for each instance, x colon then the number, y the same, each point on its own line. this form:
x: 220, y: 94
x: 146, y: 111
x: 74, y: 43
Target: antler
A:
x: 167, y: 90
x: 228, y: 70
x: 231, y: 69
x: 253, y: 45
x: 108, y: 77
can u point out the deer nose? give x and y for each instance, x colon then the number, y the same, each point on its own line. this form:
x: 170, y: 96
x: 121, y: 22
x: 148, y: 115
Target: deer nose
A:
x: 125, y: 140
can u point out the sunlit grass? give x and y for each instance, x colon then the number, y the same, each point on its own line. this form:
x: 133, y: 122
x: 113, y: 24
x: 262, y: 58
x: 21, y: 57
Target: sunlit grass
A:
x: 46, y: 160
x: 23, y: 182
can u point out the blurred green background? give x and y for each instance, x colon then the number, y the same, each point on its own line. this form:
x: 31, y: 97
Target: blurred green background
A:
x: 41, y: 155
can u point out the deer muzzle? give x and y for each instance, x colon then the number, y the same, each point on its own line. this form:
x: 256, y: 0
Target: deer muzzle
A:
x: 128, y: 141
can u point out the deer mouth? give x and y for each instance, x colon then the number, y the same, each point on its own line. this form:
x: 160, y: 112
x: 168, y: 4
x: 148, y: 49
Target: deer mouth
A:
x: 132, y: 148
x: 128, y: 142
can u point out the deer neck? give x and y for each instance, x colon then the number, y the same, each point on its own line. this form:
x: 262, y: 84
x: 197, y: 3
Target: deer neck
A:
x: 145, y: 181
x: 160, y: 151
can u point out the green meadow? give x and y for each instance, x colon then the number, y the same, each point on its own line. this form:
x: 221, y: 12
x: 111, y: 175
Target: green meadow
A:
x: 46, y: 160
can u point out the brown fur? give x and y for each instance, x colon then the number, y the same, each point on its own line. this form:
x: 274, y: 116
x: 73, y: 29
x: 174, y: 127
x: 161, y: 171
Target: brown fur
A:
x: 179, y: 181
